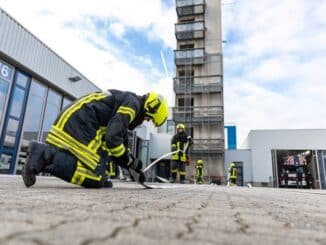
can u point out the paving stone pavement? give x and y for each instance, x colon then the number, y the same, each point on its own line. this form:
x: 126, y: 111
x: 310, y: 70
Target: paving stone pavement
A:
x: 55, y: 212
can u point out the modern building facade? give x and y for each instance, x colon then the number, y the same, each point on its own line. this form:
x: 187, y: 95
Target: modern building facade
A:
x: 35, y: 84
x: 270, y: 155
x: 198, y: 84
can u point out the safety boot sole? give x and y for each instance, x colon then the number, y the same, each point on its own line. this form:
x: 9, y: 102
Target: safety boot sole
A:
x: 33, y: 163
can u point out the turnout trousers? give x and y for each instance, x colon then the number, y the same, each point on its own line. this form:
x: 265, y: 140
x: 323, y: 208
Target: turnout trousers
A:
x: 178, y: 167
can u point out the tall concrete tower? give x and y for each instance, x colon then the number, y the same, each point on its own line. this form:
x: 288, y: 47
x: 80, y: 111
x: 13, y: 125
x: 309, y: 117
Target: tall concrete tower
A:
x: 198, y: 82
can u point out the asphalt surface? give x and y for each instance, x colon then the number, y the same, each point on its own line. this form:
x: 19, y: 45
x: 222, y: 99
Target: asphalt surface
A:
x: 55, y: 212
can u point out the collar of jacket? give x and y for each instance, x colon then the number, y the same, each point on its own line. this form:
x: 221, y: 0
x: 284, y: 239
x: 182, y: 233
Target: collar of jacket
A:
x: 139, y: 118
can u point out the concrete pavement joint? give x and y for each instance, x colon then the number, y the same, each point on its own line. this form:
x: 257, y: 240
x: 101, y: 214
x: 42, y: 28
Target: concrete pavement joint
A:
x: 243, y: 227
x: 49, y: 228
x: 115, y: 232
x: 194, y: 219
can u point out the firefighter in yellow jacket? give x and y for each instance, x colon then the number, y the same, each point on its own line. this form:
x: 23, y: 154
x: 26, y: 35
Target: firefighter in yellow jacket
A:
x: 199, y: 172
x: 232, y: 175
x: 179, y: 159
x: 92, y: 132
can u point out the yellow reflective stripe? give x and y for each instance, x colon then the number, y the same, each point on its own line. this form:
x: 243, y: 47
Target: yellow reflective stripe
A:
x: 111, y: 172
x: 78, y: 148
x: 182, y: 173
x: 127, y: 110
x: 118, y: 151
x: 97, y: 141
x: 89, y: 174
x: 174, y: 157
x: 79, y: 154
x: 183, y: 157
x: 81, y: 173
x: 73, y: 142
x: 174, y: 170
x: 77, y: 178
x: 84, y: 100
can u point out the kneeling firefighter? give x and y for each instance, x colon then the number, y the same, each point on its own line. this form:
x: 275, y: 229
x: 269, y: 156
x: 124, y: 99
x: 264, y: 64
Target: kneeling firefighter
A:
x: 92, y: 132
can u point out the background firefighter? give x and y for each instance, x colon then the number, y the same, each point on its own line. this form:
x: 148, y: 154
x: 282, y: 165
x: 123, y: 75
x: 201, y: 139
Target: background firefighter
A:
x: 92, y: 132
x: 178, y: 160
x: 199, y: 172
x: 233, y: 175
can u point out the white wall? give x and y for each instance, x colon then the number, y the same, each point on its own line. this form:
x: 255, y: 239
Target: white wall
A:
x: 159, y: 144
x: 243, y: 156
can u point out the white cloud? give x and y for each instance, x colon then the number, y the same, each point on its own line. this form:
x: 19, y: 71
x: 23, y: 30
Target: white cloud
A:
x: 70, y: 29
x: 117, y: 28
x: 275, y: 66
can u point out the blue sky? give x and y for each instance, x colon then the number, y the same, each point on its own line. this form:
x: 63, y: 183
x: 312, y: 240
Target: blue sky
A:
x: 274, y: 55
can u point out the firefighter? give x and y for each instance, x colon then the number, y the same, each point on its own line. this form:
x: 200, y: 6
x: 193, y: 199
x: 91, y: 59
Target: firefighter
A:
x: 92, y: 132
x: 178, y: 159
x: 199, y: 172
x: 232, y: 174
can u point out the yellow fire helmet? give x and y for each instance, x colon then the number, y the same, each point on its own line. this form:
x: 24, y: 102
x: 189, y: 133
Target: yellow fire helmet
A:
x: 181, y: 125
x: 156, y: 107
x: 200, y: 162
x: 232, y: 164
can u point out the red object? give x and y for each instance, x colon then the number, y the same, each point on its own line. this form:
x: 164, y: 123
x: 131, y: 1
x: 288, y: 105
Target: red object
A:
x: 187, y: 161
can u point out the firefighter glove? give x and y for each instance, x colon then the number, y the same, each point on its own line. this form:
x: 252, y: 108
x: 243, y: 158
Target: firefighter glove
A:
x: 189, y: 139
x: 134, y: 167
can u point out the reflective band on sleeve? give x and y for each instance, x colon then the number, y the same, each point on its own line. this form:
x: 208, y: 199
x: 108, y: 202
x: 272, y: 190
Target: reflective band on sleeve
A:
x: 118, y: 151
x: 127, y: 110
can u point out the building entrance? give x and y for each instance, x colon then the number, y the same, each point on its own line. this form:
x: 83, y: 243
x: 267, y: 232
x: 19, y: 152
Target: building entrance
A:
x: 294, y: 169
x: 321, y: 158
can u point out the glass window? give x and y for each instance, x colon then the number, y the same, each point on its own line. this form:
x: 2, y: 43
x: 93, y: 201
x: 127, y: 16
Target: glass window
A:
x: 21, y: 79
x: 3, y: 95
x: 170, y: 126
x: 5, y: 161
x: 17, y: 102
x: 32, y: 120
x: 54, y: 98
x: 38, y: 89
x: 11, y: 133
x: 34, y: 112
x: 52, y: 110
x: 66, y: 102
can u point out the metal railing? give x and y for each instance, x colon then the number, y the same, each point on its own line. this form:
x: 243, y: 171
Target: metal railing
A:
x: 197, y: 84
x: 189, y: 56
x: 198, y: 114
x: 190, y: 7
x: 183, y: 3
x: 190, y: 30
x: 207, y: 146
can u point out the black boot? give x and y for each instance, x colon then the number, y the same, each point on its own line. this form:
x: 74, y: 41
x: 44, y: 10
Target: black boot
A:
x: 107, y: 183
x: 35, y: 162
x: 182, y: 179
